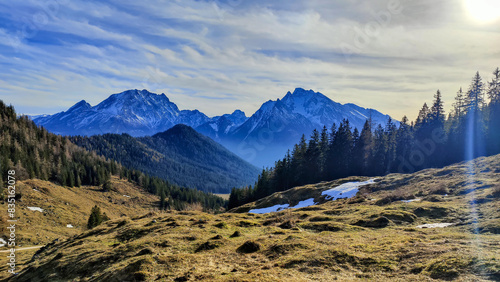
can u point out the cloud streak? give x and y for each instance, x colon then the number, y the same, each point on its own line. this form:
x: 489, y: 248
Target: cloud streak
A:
x: 217, y: 56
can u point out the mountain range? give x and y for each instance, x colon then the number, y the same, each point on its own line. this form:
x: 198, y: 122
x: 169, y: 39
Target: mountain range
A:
x: 260, y: 139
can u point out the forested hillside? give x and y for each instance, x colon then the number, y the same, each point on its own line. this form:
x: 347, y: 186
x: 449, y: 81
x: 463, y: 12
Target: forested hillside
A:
x: 179, y: 155
x: 35, y: 153
x: 471, y: 129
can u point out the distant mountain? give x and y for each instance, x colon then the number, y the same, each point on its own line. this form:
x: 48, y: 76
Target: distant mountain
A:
x: 260, y: 139
x: 136, y: 112
x: 220, y: 127
x: 180, y: 155
x: 278, y: 125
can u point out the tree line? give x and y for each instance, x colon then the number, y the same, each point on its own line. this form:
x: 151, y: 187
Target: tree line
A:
x: 35, y: 153
x: 470, y: 130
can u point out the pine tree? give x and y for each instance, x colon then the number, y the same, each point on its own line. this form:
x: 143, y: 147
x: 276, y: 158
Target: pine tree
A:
x: 459, y: 105
x: 404, y: 143
x: 299, y: 162
x: 423, y: 115
x: 312, y: 158
x: 341, y: 149
x: 494, y: 114
x: 474, y: 100
x: 474, y: 134
x: 378, y: 161
x: 437, y: 110
x: 365, y: 144
x: 323, y: 147
x: 107, y: 186
x: 96, y: 217
x: 391, y: 133
x: 494, y: 87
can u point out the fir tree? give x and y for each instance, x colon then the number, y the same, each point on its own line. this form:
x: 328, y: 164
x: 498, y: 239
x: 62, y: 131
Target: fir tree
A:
x: 437, y: 110
x: 474, y: 100
x: 96, y: 217
x: 494, y: 87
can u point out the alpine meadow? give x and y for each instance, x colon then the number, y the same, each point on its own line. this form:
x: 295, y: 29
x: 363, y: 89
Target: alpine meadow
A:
x: 214, y: 140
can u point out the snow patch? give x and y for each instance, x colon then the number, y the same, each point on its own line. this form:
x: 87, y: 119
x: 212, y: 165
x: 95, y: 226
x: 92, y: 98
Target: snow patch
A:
x: 346, y: 190
x: 126, y: 196
x: 435, y: 225
x: 274, y: 208
x: 305, y: 203
x: 69, y: 225
x: 412, y: 200
x: 36, y: 190
x: 35, y: 209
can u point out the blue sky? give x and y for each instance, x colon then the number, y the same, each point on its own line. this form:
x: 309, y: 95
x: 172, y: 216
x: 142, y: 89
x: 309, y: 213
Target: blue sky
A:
x: 216, y: 56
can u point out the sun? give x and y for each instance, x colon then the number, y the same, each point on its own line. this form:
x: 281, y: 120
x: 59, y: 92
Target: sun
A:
x: 484, y: 11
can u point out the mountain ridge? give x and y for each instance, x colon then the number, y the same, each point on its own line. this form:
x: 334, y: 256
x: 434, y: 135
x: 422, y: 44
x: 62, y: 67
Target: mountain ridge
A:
x: 259, y: 139
x: 179, y: 155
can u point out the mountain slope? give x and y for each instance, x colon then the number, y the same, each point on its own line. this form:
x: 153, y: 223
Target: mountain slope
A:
x: 384, y: 239
x: 180, y: 155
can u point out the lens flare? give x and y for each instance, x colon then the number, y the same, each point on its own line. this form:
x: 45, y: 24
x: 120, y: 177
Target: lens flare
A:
x: 483, y: 11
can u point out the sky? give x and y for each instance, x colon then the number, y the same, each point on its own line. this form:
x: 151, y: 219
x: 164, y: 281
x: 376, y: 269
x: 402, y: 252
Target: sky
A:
x: 218, y: 56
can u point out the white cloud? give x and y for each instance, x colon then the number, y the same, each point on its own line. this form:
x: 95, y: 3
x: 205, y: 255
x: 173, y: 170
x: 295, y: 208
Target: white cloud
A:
x: 216, y: 57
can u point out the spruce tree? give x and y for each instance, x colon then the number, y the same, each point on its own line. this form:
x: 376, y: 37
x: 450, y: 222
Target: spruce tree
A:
x: 437, y: 110
x: 494, y: 87
x: 312, y: 158
x: 459, y: 105
x: 494, y: 114
x: 96, y: 217
x: 475, y: 95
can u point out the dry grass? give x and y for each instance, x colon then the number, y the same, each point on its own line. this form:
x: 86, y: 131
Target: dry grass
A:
x: 341, y: 240
x: 64, y: 205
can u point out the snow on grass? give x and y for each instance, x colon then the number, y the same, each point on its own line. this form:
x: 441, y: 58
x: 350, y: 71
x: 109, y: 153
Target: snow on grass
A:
x: 35, y: 209
x: 69, y: 226
x: 274, y: 208
x: 126, y: 196
x: 305, y: 203
x: 412, y: 200
x: 346, y: 190
x: 435, y: 225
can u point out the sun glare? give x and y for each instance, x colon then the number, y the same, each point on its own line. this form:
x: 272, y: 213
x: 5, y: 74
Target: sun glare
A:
x: 484, y: 11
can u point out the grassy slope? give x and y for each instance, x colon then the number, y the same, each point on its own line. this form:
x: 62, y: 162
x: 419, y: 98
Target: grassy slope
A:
x: 372, y: 236
x: 65, y: 205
